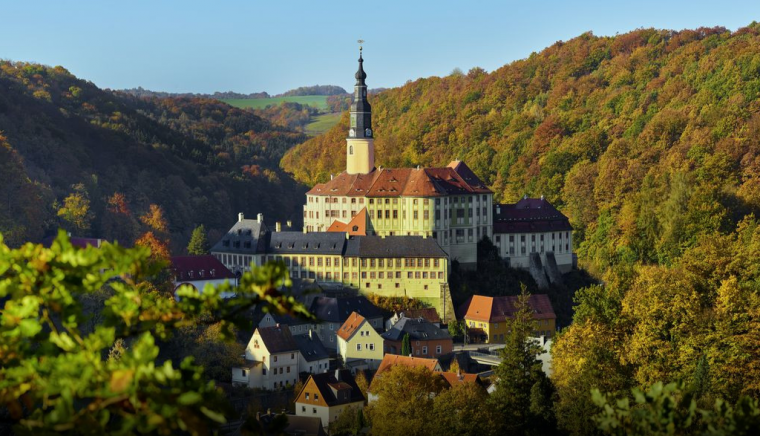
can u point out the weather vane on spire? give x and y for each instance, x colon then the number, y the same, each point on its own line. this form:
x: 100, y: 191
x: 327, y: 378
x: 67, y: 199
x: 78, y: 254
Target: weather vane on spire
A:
x: 361, y: 41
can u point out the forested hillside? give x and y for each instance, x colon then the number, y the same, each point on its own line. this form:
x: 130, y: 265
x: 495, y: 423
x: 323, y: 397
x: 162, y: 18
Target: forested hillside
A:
x: 650, y: 142
x: 649, y: 126
x: 70, y: 151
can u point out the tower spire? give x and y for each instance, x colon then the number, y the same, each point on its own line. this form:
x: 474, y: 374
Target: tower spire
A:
x: 360, y: 151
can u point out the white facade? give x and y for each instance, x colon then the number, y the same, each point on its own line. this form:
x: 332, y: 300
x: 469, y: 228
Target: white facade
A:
x: 326, y: 414
x: 517, y: 247
x: 275, y: 371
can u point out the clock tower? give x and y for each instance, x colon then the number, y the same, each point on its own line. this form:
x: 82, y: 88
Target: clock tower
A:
x: 360, y: 150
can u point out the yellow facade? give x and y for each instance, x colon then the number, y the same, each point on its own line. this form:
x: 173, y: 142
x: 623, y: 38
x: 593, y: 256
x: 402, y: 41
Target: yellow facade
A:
x: 360, y: 155
x: 497, y: 331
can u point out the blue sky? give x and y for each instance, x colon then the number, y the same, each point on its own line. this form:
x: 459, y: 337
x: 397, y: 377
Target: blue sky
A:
x: 249, y: 46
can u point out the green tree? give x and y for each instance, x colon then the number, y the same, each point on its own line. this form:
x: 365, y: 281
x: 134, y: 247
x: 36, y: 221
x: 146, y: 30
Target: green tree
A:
x: 406, y: 347
x: 520, y: 379
x: 57, y: 377
x: 672, y: 410
x: 349, y: 422
x: 198, y: 244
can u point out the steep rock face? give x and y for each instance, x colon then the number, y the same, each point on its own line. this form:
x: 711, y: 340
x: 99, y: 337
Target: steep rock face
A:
x: 646, y: 140
x: 201, y: 160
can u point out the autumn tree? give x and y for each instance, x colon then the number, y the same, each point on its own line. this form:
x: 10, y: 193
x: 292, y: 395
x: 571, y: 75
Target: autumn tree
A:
x: 198, y: 244
x: 75, y: 210
x: 461, y: 411
x: 118, y: 224
x: 405, y: 400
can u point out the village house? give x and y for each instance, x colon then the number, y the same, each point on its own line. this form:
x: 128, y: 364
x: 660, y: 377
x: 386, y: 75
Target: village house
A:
x: 272, y: 360
x: 199, y: 271
x: 327, y: 395
x: 313, y: 357
x: 486, y: 317
x: 425, y: 339
x: 359, y: 344
x: 332, y: 312
x: 427, y: 313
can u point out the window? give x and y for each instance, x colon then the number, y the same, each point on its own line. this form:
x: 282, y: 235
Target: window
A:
x: 358, y: 347
x: 292, y: 355
x: 288, y: 370
x: 424, y: 350
x: 303, y: 408
x: 371, y: 347
x: 314, y: 409
x: 316, y: 397
x: 438, y: 349
x: 275, y: 358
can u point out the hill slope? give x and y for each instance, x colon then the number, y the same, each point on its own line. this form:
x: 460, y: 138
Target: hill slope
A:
x: 647, y: 140
x: 201, y: 160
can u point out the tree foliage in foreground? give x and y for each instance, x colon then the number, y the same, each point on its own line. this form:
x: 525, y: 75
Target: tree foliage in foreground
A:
x: 672, y: 410
x: 55, y: 374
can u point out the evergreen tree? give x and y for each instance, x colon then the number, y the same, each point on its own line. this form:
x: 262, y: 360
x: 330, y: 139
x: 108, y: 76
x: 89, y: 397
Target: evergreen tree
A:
x: 523, y: 394
x: 198, y: 244
x: 406, y: 346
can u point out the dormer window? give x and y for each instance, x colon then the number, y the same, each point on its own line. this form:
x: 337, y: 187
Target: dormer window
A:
x: 213, y: 272
x: 226, y: 243
x: 190, y: 274
x: 255, y: 343
x: 201, y: 272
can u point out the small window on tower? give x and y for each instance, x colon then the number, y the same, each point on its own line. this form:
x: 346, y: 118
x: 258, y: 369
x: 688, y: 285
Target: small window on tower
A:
x: 351, y: 149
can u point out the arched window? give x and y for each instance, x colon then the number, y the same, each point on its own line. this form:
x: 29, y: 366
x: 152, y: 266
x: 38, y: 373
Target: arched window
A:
x: 351, y: 149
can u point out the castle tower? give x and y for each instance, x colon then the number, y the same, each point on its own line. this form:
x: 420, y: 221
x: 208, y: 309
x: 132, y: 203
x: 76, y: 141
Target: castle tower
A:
x: 360, y: 150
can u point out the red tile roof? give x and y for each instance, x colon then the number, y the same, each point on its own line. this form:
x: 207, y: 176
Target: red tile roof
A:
x: 460, y: 378
x: 192, y: 268
x: 349, y: 327
x: 428, y: 313
x: 454, y: 179
x: 356, y: 227
x: 498, y: 309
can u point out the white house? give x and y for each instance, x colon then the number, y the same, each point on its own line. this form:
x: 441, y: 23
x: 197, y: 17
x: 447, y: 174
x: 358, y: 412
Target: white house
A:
x: 272, y: 360
x: 198, y: 271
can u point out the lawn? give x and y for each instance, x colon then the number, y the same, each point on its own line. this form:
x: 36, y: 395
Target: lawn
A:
x: 318, y: 101
x: 322, y: 123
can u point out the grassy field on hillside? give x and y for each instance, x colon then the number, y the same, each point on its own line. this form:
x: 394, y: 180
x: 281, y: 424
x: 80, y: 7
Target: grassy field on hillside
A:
x: 318, y: 101
x: 322, y: 123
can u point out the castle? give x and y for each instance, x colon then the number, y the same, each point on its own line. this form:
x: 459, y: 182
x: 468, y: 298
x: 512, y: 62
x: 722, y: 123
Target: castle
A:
x: 394, y: 231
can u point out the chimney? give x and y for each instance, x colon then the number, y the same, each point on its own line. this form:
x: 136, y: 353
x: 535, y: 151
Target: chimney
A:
x: 498, y: 209
x: 277, y: 325
x: 260, y: 218
x: 459, y: 374
x: 331, y: 176
x: 525, y: 197
x: 241, y: 217
x: 311, y: 333
x: 337, y: 374
x: 277, y: 227
x: 542, y: 197
x: 269, y: 411
x: 289, y: 223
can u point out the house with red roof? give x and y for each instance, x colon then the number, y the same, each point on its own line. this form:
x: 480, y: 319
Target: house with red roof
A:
x: 359, y: 344
x: 199, y: 271
x: 487, y: 318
